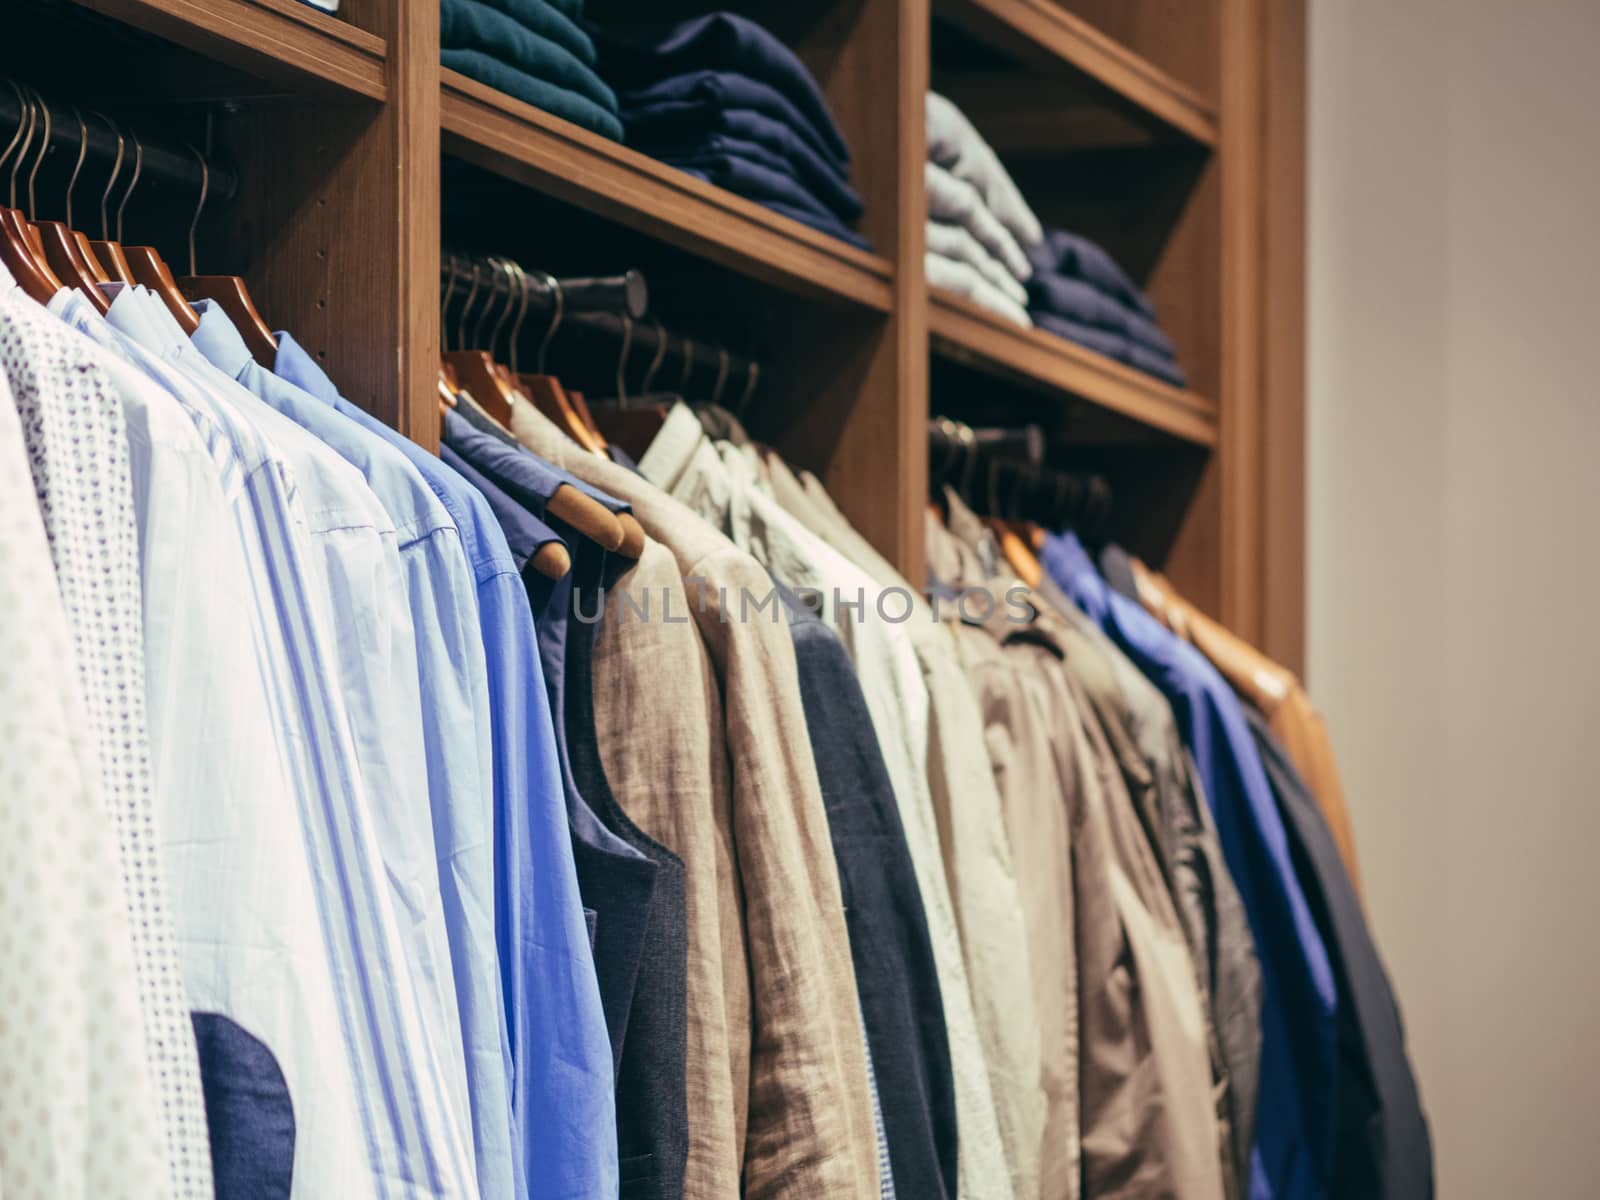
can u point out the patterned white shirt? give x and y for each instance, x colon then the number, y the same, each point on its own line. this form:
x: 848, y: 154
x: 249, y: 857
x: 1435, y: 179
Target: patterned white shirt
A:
x: 79, y: 1114
x: 77, y: 449
x: 244, y: 900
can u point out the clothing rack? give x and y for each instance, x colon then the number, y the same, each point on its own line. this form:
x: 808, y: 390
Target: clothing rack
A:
x: 1000, y: 472
x: 108, y: 146
x: 673, y: 362
x: 498, y: 277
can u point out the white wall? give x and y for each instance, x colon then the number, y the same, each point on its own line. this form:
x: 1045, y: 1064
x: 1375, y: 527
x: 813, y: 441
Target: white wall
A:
x: 1454, y: 567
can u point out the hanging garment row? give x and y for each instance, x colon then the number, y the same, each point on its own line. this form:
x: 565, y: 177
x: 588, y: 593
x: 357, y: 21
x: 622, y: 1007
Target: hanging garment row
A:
x: 722, y: 860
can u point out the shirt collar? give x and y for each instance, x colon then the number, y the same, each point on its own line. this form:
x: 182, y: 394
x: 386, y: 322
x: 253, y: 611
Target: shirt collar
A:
x: 673, y: 448
x: 219, y: 340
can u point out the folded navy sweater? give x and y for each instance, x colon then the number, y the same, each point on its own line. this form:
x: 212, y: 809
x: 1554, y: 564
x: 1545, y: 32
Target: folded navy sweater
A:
x: 721, y: 42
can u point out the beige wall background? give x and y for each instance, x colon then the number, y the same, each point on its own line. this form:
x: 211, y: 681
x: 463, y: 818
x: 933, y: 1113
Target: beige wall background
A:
x: 1454, y: 565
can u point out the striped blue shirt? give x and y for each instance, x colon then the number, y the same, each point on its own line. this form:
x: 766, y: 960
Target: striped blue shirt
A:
x: 418, y: 1144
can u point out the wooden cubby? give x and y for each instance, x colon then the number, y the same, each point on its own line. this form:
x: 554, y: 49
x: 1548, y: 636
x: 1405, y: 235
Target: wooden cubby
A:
x: 1155, y: 126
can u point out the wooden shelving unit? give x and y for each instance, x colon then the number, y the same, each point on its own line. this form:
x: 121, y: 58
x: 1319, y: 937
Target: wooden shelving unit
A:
x: 1050, y: 365
x: 1143, y: 123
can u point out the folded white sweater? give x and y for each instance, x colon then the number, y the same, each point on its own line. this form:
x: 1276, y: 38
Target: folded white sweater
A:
x: 956, y: 243
x: 957, y: 202
x: 960, y: 149
x: 964, y: 279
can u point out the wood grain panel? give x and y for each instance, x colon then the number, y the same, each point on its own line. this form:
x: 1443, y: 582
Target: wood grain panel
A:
x: 273, y: 39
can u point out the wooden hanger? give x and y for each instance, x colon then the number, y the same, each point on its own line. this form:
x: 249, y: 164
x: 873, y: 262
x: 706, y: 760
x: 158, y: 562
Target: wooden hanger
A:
x: 151, y: 270
x: 26, y: 265
x: 551, y: 560
x: 633, y: 428
x: 447, y: 397
x: 227, y: 292
x: 107, y: 251
x: 53, y: 239
x: 476, y: 368
x: 546, y: 392
x: 79, y: 239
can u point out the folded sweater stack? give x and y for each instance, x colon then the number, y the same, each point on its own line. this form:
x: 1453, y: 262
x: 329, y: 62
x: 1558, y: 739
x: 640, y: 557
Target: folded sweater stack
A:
x: 533, y: 50
x: 979, y: 226
x: 984, y: 243
x: 1077, y: 291
x: 720, y: 97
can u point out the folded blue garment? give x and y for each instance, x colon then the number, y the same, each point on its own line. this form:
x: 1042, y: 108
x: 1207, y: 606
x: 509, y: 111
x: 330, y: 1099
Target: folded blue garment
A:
x: 553, y: 98
x: 753, y: 180
x: 693, y: 101
x: 721, y: 41
x: 549, y: 21
x: 1075, y: 256
x: 471, y: 25
x: 822, y: 221
x: 839, y: 199
x: 1086, y: 304
x: 1113, y: 345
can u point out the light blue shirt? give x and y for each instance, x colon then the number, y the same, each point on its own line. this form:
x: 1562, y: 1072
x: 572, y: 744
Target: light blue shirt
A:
x: 418, y: 1140
x: 563, y: 1094
x: 243, y: 897
x: 454, y: 687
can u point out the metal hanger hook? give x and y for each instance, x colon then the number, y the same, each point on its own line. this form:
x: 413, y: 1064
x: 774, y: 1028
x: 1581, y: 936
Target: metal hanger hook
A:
x: 555, y: 319
x: 751, y: 379
x: 111, y: 181
x: 722, y: 376
x: 524, y: 298
x: 622, y: 360
x: 44, y: 148
x: 16, y: 134
x: 133, y: 182
x: 83, y: 151
x: 444, y: 300
x: 466, y: 307
x: 512, y: 272
x: 200, y: 207
x: 495, y: 271
x: 26, y: 106
x: 660, y: 355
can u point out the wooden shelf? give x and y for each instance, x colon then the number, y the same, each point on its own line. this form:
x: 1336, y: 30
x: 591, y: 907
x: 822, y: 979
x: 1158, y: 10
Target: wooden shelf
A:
x: 560, y: 159
x: 961, y: 331
x: 272, y: 39
x: 1045, y: 38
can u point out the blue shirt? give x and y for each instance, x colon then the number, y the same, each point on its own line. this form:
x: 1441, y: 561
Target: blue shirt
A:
x: 453, y: 683
x: 408, y: 1131
x: 1293, y: 1149
x: 617, y: 881
x: 562, y: 1097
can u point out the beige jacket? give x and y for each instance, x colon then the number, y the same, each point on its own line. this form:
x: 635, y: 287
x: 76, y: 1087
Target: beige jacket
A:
x: 1147, y: 1108
x: 977, y: 853
x: 654, y: 675
x: 722, y: 482
x: 803, y: 1110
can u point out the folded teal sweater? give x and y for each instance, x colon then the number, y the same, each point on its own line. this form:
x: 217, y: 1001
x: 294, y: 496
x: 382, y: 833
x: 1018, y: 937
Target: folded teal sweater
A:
x: 544, y: 19
x: 473, y: 25
x: 541, y: 93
